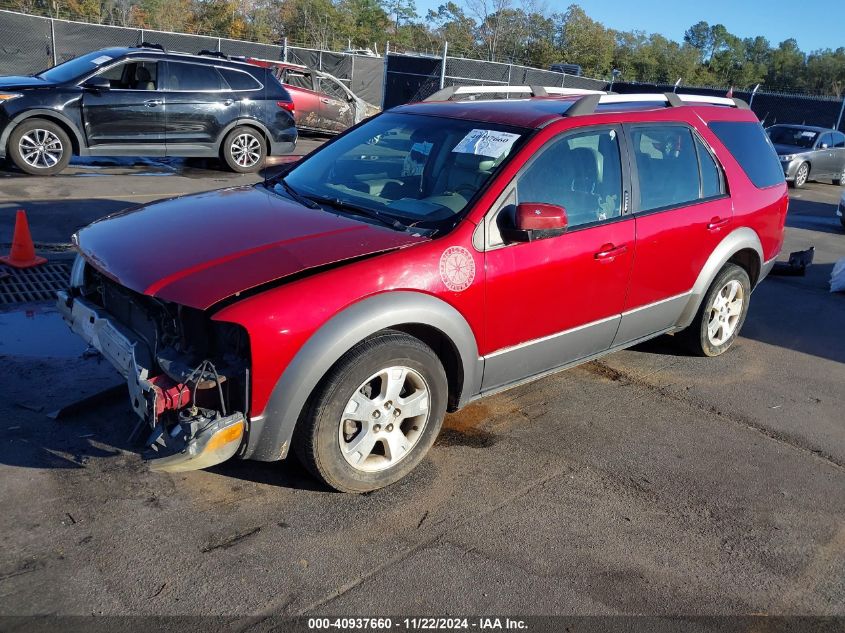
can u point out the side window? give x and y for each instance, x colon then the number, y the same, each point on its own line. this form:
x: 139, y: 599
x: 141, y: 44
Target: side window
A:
x: 581, y: 172
x: 825, y: 141
x: 667, y: 166
x: 132, y: 75
x: 187, y: 77
x: 297, y: 79
x: 239, y: 80
x: 329, y: 87
x: 711, y: 175
x: 752, y: 149
x: 838, y: 139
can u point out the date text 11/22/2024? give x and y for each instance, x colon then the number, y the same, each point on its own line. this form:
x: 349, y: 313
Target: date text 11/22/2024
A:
x: 417, y: 624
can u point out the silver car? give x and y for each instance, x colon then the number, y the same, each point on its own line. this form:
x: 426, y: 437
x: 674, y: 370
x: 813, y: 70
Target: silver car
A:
x: 809, y: 153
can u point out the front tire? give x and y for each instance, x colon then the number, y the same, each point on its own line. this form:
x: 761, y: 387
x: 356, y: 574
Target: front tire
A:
x: 39, y: 147
x: 375, y: 415
x: 244, y: 150
x: 840, y: 179
x: 802, y: 175
x: 721, y: 314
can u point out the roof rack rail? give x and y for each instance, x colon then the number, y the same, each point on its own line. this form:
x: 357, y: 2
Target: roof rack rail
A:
x: 588, y: 103
x: 151, y: 45
x: 446, y: 94
x: 208, y: 53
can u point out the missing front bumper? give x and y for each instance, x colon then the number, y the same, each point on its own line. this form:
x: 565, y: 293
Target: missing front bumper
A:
x: 200, y: 437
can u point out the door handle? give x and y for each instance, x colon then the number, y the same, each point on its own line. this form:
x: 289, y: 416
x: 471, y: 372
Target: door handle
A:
x: 151, y: 103
x: 717, y: 223
x: 228, y: 102
x: 609, y: 252
x: 324, y: 100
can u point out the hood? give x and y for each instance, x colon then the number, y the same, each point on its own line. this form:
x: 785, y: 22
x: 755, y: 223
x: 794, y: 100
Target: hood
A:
x: 790, y: 149
x: 19, y: 83
x: 200, y: 249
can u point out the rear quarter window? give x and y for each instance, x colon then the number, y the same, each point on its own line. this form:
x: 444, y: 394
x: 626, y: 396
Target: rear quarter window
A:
x: 239, y: 80
x: 752, y: 149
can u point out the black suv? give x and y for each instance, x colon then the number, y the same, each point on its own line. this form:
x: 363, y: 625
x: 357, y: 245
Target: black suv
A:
x: 145, y: 102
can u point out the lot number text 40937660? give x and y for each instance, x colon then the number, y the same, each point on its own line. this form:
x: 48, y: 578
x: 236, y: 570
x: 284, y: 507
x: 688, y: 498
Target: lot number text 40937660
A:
x: 418, y: 624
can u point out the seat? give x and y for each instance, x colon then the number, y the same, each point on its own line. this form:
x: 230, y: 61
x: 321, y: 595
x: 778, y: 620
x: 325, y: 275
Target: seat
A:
x: 465, y: 175
x: 143, y: 79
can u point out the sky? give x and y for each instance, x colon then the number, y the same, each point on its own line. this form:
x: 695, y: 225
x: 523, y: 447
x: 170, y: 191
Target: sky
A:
x: 812, y: 22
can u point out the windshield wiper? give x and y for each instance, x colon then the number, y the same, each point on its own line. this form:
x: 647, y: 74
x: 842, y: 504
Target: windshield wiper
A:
x: 293, y: 193
x: 337, y: 203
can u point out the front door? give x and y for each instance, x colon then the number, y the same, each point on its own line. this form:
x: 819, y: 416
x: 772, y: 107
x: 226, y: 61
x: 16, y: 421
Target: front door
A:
x: 682, y: 213
x: 557, y: 300
x: 336, y: 109
x: 824, y: 160
x: 199, y: 106
x: 127, y: 117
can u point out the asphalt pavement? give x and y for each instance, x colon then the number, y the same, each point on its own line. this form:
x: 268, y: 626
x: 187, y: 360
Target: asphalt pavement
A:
x: 649, y: 482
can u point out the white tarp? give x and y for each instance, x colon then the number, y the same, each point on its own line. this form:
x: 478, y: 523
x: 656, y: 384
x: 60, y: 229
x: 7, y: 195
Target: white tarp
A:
x: 837, y: 277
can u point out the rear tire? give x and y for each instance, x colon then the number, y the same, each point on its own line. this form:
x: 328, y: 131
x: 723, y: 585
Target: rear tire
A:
x: 39, y: 147
x: 375, y: 415
x: 721, y: 314
x: 244, y: 150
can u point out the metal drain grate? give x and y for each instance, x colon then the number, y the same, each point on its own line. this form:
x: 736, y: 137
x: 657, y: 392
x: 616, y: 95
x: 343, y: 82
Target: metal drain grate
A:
x: 33, y: 284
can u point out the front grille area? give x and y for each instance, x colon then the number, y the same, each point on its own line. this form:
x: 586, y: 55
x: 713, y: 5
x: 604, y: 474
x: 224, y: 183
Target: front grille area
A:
x: 32, y: 285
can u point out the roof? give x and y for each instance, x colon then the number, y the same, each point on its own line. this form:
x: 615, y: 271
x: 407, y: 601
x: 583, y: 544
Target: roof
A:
x: 530, y: 113
x: 144, y: 50
x: 799, y: 126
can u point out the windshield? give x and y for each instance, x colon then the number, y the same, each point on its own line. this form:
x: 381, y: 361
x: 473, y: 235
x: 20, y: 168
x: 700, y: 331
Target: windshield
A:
x: 799, y: 137
x: 418, y: 170
x: 76, y: 67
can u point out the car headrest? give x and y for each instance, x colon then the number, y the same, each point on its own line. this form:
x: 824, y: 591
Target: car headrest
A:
x: 474, y: 162
x: 142, y: 74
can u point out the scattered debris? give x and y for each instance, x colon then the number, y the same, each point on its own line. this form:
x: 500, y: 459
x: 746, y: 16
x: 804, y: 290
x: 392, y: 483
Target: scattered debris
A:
x: 231, y: 541
x: 83, y: 404
x: 797, y: 264
x: 70, y: 516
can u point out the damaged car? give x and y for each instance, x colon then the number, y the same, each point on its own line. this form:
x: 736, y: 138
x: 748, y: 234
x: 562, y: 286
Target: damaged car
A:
x: 323, y: 103
x: 431, y: 255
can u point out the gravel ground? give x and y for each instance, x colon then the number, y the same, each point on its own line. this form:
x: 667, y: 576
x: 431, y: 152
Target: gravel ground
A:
x: 649, y: 482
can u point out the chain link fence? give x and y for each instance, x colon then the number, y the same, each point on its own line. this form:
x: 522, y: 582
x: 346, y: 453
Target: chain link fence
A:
x: 415, y: 77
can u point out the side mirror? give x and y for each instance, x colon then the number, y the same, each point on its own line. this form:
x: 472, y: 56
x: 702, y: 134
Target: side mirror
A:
x: 98, y: 83
x: 536, y: 221
x: 823, y: 146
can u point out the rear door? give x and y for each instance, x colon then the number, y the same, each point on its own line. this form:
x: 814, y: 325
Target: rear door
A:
x: 306, y: 100
x: 839, y: 156
x: 557, y: 300
x: 199, y: 105
x: 129, y: 116
x: 682, y: 212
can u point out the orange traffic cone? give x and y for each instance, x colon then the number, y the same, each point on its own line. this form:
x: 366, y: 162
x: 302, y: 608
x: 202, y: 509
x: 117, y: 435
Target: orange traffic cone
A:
x: 22, y: 254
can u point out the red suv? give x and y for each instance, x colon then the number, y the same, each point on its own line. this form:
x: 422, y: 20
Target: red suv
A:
x: 431, y: 255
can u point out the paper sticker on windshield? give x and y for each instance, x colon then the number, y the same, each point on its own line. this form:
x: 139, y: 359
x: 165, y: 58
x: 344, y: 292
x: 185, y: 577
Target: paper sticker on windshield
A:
x: 486, y: 143
x: 808, y: 134
x: 102, y: 59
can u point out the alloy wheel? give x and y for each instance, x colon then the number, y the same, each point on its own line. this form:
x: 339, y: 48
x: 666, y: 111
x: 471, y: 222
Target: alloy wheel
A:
x: 384, y: 419
x: 725, y: 312
x: 801, y: 175
x: 245, y: 150
x: 40, y: 148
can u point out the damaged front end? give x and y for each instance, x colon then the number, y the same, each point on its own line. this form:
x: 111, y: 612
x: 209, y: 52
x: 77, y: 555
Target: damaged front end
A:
x: 188, y: 376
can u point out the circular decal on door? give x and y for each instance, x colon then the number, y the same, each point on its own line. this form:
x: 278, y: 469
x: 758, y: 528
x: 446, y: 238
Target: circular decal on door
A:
x: 457, y: 268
